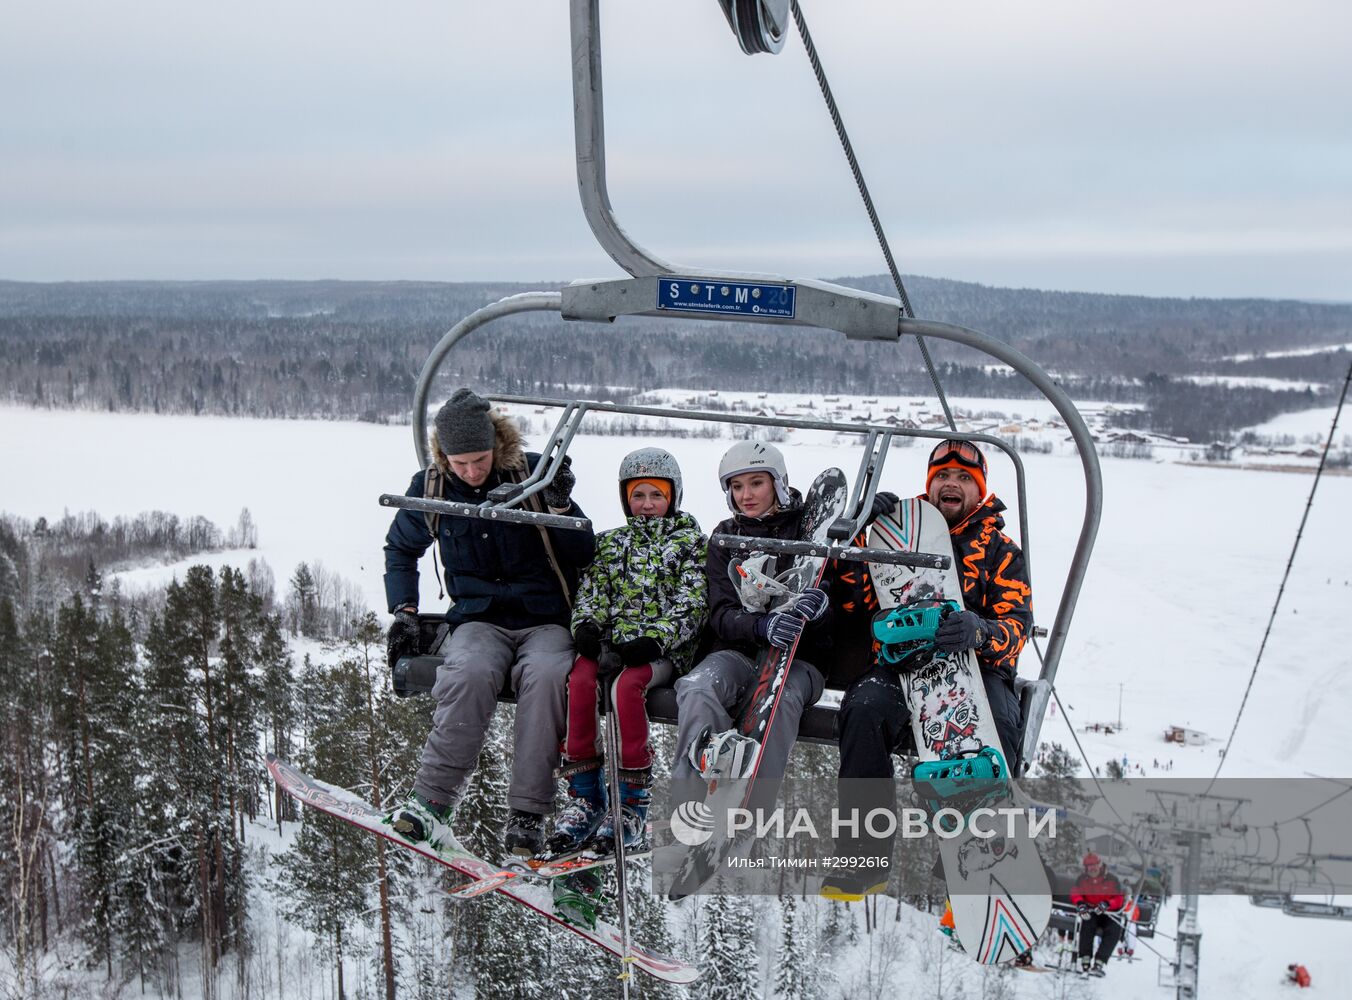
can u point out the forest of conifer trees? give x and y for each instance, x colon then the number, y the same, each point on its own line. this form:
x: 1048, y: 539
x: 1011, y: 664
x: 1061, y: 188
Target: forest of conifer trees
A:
x: 147, y: 853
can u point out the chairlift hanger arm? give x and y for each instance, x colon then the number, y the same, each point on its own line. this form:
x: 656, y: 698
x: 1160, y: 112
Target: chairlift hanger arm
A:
x: 589, y: 132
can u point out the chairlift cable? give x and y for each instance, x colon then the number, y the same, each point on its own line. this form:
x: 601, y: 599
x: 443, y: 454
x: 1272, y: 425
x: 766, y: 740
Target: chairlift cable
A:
x: 845, y: 143
x: 1136, y: 846
x: 1281, y: 589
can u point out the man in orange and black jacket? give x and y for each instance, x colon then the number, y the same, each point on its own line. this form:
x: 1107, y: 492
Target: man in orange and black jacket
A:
x: 874, y: 721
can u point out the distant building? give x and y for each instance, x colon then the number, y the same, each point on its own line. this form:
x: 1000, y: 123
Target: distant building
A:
x: 1184, y: 736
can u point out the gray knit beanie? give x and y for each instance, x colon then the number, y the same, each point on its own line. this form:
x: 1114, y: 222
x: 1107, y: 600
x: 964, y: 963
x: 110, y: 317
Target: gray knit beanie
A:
x: 463, y: 424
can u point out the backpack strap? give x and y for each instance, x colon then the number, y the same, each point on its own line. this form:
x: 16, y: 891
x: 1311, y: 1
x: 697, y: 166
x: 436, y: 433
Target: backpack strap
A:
x: 536, y: 504
x: 434, y: 488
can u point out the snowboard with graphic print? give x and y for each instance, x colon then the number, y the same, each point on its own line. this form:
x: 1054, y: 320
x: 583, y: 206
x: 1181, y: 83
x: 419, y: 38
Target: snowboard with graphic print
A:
x: 998, y: 887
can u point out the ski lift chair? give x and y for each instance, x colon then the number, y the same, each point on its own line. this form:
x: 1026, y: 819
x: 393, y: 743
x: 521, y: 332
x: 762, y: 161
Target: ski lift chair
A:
x: 656, y: 287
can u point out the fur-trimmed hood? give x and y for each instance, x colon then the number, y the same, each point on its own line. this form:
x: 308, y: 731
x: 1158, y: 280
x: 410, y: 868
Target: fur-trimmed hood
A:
x: 509, y: 452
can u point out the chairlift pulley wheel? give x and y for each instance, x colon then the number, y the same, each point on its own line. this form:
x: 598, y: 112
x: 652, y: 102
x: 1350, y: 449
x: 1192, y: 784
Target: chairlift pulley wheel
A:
x: 760, y: 25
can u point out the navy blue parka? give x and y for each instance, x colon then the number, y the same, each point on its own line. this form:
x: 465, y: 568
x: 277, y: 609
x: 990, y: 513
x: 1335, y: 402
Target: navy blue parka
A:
x: 495, y: 572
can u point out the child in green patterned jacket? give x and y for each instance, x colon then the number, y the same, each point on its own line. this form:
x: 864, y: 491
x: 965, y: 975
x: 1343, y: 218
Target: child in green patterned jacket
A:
x: 644, y: 596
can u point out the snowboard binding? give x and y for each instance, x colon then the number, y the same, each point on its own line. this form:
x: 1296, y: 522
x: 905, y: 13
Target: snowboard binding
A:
x: 725, y: 756
x: 909, y: 629
x: 965, y: 784
x: 758, y: 589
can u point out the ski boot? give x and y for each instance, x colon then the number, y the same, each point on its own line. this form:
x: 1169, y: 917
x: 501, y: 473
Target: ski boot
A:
x: 585, y: 810
x: 577, y: 898
x: 525, y: 834
x: 633, y: 810
x: 1024, y: 960
x: 722, y: 756
x: 851, y: 887
x: 1098, y: 969
x: 420, y: 820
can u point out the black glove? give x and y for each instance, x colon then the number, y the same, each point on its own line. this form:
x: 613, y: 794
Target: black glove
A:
x: 780, y: 628
x: 961, y: 630
x: 883, y: 503
x: 644, y: 649
x: 587, y: 639
x: 811, y: 603
x: 1082, y: 909
x: 1100, y: 907
x: 557, y: 493
x: 403, y: 637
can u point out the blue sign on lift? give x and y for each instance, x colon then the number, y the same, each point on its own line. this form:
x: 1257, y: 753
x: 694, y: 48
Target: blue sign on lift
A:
x: 727, y: 297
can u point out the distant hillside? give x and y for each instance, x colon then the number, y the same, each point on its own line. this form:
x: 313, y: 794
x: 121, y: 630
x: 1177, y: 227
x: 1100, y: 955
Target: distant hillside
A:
x: 353, y: 349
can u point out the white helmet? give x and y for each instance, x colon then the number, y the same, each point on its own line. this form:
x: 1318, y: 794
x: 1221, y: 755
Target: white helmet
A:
x: 754, y: 456
x: 651, y: 463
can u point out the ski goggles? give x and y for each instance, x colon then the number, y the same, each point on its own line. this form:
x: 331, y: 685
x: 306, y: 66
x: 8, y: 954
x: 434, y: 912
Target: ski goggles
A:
x: 954, y: 454
x: 962, y: 452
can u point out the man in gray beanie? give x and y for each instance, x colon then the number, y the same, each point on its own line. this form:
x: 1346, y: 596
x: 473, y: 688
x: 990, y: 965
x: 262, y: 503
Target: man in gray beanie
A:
x: 511, y: 588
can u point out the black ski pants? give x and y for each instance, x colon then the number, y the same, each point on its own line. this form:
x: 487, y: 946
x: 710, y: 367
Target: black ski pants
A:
x: 875, y: 722
x: 1099, y: 924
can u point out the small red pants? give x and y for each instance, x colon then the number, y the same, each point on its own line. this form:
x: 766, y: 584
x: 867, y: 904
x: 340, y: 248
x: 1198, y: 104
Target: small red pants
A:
x: 627, y: 691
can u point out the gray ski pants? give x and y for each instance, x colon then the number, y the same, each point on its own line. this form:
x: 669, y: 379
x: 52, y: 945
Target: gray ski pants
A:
x: 713, y: 691
x: 479, y: 661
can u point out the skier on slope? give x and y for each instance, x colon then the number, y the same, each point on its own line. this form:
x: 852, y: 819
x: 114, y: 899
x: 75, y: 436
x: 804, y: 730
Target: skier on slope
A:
x: 510, y: 585
x: 1097, y: 895
x: 874, y: 719
x: 1298, y: 974
x: 644, y: 595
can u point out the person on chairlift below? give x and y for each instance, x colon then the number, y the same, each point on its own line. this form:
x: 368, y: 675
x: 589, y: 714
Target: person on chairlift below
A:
x: 874, y: 720
x: 1098, y: 899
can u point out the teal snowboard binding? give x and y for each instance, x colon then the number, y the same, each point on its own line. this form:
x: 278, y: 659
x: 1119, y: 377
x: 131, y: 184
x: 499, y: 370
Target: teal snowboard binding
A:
x: 909, y: 629
x: 964, y: 784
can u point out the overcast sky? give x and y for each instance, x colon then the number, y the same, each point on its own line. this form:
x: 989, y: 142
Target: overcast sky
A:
x: 1169, y: 147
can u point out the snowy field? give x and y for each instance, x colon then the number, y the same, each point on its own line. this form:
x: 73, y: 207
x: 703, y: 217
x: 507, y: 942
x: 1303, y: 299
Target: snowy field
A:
x: 1254, y: 382
x: 1186, y: 567
x: 1291, y: 352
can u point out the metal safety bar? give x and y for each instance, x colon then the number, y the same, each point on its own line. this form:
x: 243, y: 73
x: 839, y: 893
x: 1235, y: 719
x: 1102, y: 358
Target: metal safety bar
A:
x: 486, y: 512
x: 849, y: 553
